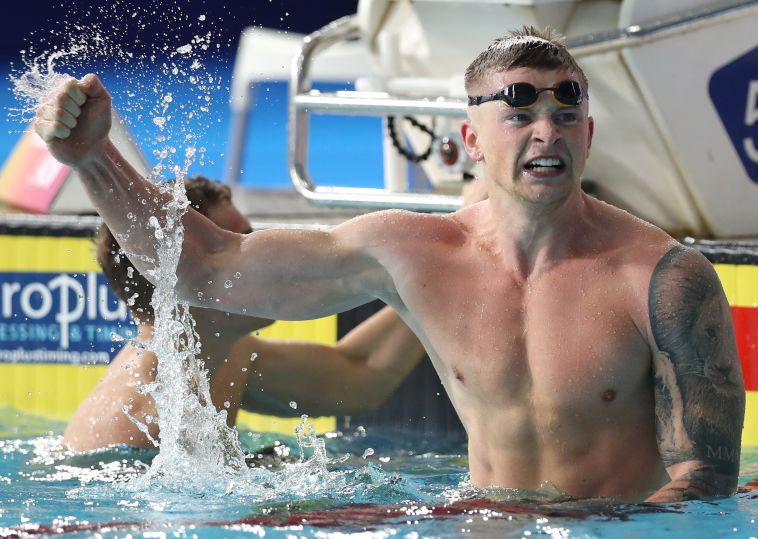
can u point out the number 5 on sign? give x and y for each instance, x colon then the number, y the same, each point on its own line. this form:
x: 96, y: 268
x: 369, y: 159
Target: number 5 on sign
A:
x: 751, y: 116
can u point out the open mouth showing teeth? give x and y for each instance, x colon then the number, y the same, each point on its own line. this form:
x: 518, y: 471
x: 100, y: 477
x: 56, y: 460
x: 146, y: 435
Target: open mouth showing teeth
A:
x: 545, y: 164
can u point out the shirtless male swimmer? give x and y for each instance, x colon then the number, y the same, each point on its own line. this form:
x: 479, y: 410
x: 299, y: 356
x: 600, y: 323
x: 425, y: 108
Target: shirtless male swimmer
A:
x: 579, y: 345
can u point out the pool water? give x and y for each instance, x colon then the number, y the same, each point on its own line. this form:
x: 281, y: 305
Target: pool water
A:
x: 371, y: 485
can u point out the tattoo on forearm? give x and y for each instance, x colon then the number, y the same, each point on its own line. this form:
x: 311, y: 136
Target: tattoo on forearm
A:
x: 699, y: 391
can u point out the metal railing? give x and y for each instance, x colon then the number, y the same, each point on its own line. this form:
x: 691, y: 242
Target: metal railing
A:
x: 303, y: 101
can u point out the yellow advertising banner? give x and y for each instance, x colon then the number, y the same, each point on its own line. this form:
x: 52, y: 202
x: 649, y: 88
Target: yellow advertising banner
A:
x: 57, y: 317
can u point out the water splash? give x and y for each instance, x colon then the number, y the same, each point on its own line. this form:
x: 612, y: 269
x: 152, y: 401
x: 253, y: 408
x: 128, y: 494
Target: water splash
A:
x: 127, y: 42
x: 197, y: 448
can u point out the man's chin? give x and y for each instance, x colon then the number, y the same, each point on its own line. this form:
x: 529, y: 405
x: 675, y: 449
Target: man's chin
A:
x: 551, y: 189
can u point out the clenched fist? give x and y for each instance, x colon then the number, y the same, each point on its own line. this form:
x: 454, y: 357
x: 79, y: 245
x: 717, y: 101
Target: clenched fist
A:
x: 75, y: 120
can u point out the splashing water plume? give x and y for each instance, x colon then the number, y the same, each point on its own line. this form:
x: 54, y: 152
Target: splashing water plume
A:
x: 197, y: 449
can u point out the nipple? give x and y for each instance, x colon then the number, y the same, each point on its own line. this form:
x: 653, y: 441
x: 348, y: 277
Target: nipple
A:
x: 609, y: 395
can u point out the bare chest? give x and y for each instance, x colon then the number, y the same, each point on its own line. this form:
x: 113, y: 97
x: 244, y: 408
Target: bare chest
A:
x: 565, y: 341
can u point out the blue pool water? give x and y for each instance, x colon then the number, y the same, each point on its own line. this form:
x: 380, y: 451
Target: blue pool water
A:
x: 407, y: 488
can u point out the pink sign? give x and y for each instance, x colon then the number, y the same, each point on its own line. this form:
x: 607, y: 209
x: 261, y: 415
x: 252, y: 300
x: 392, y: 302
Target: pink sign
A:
x: 31, y: 177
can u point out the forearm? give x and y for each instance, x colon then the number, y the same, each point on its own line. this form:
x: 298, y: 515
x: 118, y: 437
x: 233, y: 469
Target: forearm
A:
x: 354, y: 376
x: 74, y: 121
x: 218, y: 330
x: 696, y: 481
x: 314, y: 376
x: 117, y: 191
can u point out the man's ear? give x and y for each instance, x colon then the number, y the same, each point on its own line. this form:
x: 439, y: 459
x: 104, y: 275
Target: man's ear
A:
x: 471, y: 140
x: 590, y: 132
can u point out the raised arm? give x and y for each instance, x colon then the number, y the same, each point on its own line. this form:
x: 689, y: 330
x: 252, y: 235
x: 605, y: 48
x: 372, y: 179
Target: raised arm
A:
x: 699, y: 390
x: 75, y: 122
x: 354, y: 376
x: 275, y: 274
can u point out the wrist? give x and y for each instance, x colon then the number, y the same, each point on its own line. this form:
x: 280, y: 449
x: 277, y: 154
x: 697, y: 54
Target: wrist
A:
x: 99, y: 155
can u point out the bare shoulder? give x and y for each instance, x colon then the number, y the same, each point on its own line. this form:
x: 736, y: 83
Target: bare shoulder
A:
x: 395, y: 228
x: 633, y: 241
x: 630, y: 249
x: 684, y: 286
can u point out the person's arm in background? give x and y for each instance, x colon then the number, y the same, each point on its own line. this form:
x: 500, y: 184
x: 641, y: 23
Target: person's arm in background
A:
x: 699, y: 389
x: 355, y: 375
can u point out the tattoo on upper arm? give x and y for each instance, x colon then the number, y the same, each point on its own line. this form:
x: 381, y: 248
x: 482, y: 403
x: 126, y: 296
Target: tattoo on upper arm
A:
x: 699, y: 390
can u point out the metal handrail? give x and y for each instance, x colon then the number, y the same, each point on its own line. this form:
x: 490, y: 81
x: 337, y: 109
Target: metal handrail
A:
x: 303, y: 101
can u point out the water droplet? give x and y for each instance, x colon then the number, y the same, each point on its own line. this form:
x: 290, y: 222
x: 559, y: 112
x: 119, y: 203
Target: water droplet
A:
x: 227, y: 404
x: 253, y: 356
x: 237, y: 275
x: 293, y: 405
x: 368, y: 452
x: 227, y: 284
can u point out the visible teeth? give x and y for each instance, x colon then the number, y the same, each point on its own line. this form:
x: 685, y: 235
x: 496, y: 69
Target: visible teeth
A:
x: 545, y: 162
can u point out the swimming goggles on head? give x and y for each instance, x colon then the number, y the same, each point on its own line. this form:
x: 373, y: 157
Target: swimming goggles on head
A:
x: 522, y: 94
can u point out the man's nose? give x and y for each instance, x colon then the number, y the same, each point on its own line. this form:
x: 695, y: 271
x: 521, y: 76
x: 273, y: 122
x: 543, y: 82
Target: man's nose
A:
x: 545, y: 131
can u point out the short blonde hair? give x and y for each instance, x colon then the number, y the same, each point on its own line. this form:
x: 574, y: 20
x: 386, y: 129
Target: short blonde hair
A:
x: 528, y: 47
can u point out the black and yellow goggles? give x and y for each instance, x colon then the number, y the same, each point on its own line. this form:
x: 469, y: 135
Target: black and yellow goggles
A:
x: 519, y: 95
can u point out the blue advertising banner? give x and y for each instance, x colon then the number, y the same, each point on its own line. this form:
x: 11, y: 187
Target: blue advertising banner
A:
x: 60, y: 318
x: 734, y: 92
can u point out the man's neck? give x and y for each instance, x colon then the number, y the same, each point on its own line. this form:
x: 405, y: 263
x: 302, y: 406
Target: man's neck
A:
x: 534, y: 236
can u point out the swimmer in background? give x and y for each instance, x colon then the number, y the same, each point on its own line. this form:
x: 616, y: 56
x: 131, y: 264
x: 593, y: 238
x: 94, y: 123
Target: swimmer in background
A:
x: 353, y: 376
x: 580, y: 345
